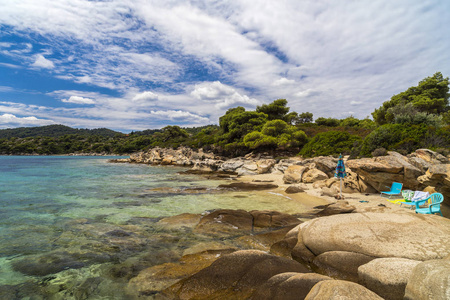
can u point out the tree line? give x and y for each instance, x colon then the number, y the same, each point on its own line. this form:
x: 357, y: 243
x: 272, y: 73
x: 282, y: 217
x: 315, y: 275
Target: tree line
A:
x: 416, y: 118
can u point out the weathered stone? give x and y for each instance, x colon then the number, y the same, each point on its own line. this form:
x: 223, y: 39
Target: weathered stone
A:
x: 293, y: 174
x: 340, y: 207
x: 263, y: 241
x: 232, y: 165
x: 247, y: 186
x: 239, y: 221
x: 233, y: 276
x: 379, y: 235
x: 387, y: 276
x: 265, y: 165
x: 54, y: 262
x: 225, y: 221
x: 326, y: 164
x: 381, y: 171
x: 185, y: 220
x: 313, y: 175
x: 288, y: 286
x: 330, y: 191
x: 340, y: 289
x: 300, y: 252
x: 294, y: 189
x: 270, y: 219
x: 284, y: 247
x: 430, y: 156
x: 154, y: 279
x: 429, y: 280
x: 340, y: 264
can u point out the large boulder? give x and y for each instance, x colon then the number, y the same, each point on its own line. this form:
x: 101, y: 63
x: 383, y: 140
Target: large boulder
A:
x: 288, y: 286
x: 429, y: 280
x: 233, y: 276
x: 340, y: 264
x: 340, y: 289
x: 293, y: 174
x: 412, y: 236
x: 387, y: 276
x: 230, y: 221
x: 313, y: 175
x: 430, y: 156
x: 380, y: 172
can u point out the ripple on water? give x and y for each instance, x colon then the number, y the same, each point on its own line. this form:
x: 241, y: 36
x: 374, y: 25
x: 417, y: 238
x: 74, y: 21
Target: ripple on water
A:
x: 84, y: 228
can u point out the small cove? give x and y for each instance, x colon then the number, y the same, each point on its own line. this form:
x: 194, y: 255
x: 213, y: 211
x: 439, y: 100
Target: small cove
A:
x: 71, y: 225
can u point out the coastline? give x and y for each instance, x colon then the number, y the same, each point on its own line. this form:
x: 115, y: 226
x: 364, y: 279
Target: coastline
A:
x: 312, y: 196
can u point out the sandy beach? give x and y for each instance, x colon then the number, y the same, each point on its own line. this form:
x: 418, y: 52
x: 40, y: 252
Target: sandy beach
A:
x: 314, y: 197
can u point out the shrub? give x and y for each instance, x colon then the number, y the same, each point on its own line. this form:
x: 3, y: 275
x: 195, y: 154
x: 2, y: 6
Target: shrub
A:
x: 329, y: 143
x: 379, y: 152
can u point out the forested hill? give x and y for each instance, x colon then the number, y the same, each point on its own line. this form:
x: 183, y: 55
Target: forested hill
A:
x: 416, y: 118
x: 55, y: 131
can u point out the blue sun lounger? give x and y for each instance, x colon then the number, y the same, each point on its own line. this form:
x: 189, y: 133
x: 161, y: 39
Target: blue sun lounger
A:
x: 396, y: 190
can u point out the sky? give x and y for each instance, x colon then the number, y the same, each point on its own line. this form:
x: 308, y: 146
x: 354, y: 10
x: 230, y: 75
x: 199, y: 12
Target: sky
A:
x: 132, y: 65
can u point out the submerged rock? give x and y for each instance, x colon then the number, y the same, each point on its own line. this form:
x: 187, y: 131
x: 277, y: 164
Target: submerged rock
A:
x: 247, y: 186
x: 233, y: 276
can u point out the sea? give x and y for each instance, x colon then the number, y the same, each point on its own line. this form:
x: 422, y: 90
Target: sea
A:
x: 80, y: 227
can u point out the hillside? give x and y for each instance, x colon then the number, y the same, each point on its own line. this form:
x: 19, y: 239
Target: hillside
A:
x: 54, y: 131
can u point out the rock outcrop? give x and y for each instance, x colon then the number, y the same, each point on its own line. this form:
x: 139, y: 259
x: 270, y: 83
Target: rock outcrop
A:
x: 288, y: 286
x: 402, y: 235
x: 419, y: 170
x: 382, y: 251
x: 387, y: 276
x: 233, y: 276
x: 429, y: 280
x: 340, y: 289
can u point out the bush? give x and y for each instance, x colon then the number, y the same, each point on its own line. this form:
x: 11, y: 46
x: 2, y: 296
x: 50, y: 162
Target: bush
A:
x: 329, y: 143
x: 379, y: 152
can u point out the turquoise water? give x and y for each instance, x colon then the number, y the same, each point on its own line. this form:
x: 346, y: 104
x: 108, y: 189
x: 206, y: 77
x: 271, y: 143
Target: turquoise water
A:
x: 66, y: 222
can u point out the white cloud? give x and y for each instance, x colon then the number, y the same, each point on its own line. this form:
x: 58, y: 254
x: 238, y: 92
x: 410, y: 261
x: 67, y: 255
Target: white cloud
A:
x: 145, y: 96
x: 202, y: 57
x: 178, y: 115
x: 42, y: 62
x: 13, y: 121
x: 78, y: 100
x: 223, y: 96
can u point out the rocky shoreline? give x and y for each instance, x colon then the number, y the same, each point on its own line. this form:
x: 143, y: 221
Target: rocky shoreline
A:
x: 422, y: 170
x: 363, y: 247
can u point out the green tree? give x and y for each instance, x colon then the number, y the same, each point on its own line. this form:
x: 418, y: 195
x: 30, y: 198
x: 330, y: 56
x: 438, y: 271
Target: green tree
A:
x: 276, y: 134
x: 305, y: 117
x: 275, y: 110
x: 330, y: 122
x: 430, y: 96
x: 237, y: 122
x: 329, y: 143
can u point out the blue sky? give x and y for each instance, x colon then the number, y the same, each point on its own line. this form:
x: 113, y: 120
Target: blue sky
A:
x: 140, y: 64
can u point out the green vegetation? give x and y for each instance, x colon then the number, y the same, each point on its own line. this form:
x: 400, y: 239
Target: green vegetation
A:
x: 416, y: 118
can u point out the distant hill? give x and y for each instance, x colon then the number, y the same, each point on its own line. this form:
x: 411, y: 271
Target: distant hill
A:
x: 55, y: 131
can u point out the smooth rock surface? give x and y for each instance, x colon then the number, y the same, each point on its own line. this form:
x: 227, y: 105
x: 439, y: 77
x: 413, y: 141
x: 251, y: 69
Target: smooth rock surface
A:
x: 288, y: 286
x: 340, y: 264
x: 379, y: 235
x: 340, y: 290
x: 387, y: 276
x: 429, y: 280
x: 233, y: 276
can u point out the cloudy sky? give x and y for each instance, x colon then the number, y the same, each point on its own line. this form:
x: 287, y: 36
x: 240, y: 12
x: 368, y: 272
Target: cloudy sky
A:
x: 140, y: 64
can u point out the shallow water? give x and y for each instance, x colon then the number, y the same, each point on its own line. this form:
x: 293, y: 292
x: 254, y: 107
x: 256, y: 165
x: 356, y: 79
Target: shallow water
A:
x: 80, y: 227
